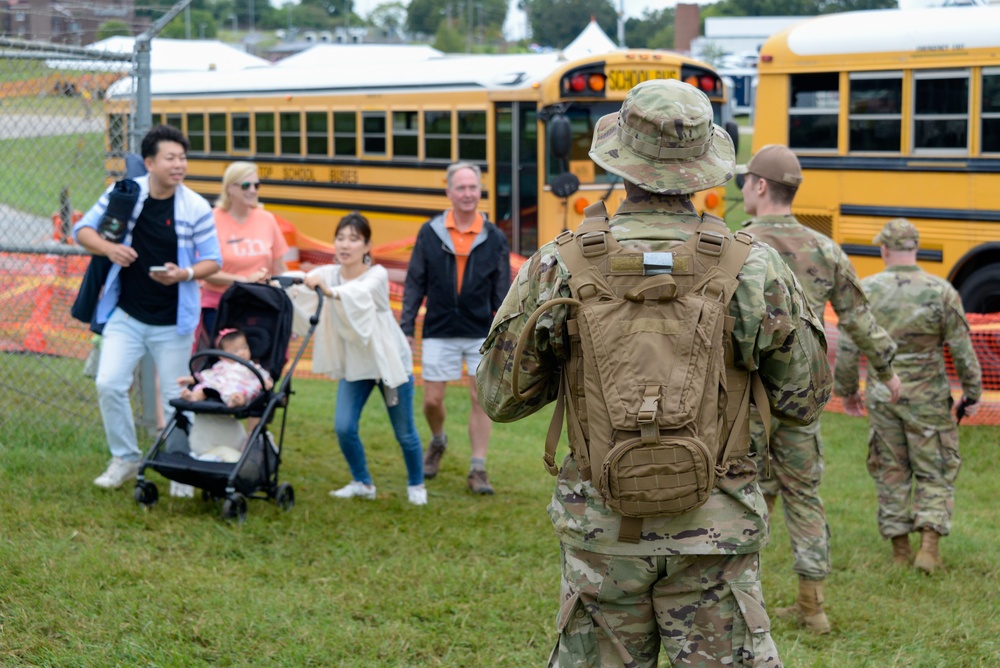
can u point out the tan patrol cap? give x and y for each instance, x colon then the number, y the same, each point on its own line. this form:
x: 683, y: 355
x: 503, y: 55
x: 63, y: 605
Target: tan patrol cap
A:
x: 774, y: 162
x: 898, y: 234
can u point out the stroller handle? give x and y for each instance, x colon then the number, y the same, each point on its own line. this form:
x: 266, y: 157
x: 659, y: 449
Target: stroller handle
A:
x: 287, y: 281
x: 214, y: 352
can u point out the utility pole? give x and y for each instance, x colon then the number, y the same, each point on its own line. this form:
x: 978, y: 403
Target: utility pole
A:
x: 187, y: 22
x: 621, y: 24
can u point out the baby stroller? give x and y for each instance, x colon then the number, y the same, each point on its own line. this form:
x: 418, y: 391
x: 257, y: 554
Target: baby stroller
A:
x: 264, y: 313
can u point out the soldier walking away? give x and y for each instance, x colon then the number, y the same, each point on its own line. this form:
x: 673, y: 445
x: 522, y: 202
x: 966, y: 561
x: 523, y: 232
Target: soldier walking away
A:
x: 682, y: 572
x: 461, y: 264
x: 796, y: 451
x: 913, y: 444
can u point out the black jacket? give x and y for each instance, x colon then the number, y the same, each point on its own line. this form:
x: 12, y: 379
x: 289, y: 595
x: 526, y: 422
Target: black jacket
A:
x: 431, y: 274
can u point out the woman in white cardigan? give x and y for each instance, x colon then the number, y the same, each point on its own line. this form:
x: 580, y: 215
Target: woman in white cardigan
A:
x: 359, y: 342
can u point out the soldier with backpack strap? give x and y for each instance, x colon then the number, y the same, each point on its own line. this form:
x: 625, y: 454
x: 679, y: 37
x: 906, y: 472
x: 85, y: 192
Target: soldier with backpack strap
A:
x: 652, y: 332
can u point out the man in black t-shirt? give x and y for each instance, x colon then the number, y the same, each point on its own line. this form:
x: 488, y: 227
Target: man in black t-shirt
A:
x: 150, y: 302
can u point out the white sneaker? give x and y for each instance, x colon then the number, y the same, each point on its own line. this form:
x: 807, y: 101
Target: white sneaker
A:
x: 117, y: 473
x: 354, y: 489
x: 180, y: 490
x: 417, y: 494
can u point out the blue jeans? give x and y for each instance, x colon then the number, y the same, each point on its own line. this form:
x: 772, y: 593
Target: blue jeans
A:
x: 351, y: 398
x: 125, y: 342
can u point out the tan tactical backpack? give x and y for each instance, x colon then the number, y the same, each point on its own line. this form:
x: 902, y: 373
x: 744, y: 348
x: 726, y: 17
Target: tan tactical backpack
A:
x: 656, y: 409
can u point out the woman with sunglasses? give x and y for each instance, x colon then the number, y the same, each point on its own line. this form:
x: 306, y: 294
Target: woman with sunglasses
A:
x: 253, y: 247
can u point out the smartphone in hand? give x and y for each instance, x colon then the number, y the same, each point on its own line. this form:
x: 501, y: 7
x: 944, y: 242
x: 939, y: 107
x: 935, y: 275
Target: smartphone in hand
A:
x: 158, y: 270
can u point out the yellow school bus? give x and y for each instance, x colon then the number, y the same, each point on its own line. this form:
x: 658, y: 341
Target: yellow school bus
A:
x: 378, y: 137
x: 895, y: 113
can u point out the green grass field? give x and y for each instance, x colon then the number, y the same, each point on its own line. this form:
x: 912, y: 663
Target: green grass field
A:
x: 89, y: 579
x: 70, y: 161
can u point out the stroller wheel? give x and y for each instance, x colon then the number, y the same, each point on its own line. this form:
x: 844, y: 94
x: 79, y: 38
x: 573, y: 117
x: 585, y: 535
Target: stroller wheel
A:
x: 285, y: 497
x: 235, y: 508
x: 146, y: 494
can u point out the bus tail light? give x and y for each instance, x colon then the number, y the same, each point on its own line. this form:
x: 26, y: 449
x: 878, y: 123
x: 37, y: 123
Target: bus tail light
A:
x: 578, y: 83
x: 711, y: 200
x: 579, y: 204
x: 595, y: 82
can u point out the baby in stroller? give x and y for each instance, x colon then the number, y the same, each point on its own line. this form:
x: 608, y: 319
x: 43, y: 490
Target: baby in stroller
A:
x: 234, y: 383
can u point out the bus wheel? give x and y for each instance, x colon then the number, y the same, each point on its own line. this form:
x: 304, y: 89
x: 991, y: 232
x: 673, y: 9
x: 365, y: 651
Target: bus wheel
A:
x: 981, y: 290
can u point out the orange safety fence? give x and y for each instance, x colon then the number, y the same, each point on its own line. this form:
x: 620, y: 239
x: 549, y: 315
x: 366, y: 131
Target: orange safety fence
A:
x: 985, y: 334
x: 37, y: 292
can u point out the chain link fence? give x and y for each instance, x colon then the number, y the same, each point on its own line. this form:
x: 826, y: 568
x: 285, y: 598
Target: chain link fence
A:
x: 58, y: 153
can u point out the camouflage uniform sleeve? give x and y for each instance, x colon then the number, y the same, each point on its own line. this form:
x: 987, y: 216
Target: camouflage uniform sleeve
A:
x: 956, y: 334
x: 788, y: 346
x: 845, y: 375
x: 538, y: 281
x: 857, y: 321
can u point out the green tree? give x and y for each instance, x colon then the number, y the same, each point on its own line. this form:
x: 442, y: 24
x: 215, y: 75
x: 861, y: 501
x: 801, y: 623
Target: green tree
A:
x: 654, y: 30
x: 177, y: 29
x: 556, y: 23
x: 485, y: 16
x: 448, y: 39
x: 791, y: 7
x: 112, y: 29
x: 388, y: 17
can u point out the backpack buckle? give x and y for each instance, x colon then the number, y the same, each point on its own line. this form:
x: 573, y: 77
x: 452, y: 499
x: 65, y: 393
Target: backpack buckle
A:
x: 563, y: 237
x: 710, y: 243
x: 593, y: 244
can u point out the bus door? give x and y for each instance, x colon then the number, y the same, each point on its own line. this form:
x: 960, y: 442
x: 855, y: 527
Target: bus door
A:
x: 516, y: 197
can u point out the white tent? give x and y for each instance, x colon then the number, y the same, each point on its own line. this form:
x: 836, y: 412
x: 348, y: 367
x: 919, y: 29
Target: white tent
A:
x: 171, y: 55
x: 358, y: 55
x: 591, y: 42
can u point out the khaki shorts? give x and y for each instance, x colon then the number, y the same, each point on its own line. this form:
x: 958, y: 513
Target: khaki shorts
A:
x: 442, y: 358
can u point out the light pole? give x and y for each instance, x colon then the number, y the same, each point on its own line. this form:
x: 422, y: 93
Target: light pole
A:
x: 201, y: 30
x: 232, y: 17
x: 250, y: 5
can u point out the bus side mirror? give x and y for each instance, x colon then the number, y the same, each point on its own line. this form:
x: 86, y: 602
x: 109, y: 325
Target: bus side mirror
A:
x: 565, y: 185
x: 560, y: 136
x: 734, y: 133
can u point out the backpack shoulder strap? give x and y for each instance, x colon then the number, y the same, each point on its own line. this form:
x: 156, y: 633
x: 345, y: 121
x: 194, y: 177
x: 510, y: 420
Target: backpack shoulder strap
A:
x: 591, y: 242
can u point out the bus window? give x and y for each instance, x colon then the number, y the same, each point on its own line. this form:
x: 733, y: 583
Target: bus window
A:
x: 437, y: 135
x: 291, y: 133
x: 196, y: 132
x: 991, y: 110
x: 317, y: 133
x: 241, y: 132
x: 174, y: 121
x: 583, y: 118
x: 472, y: 136
x: 405, y: 130
x: 813, y: 111
x: 264, y: 132
x: 118, y: 133
x: 156, y: 119
x: 876, y: 112
x: 373, y: 133
x: 217, y: 133
x: 345, y: 133
x: 941, y: 110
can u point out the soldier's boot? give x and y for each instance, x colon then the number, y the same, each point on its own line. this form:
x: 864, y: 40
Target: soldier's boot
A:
x: 770, y: 500
x: 901, y: 552
x: 808, y: 608
x: 928, y: 559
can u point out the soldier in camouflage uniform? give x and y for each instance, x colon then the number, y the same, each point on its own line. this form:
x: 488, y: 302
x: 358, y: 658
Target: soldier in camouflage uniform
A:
x: 913, y: 445
x: 796, y: 451
x: 692, y: 582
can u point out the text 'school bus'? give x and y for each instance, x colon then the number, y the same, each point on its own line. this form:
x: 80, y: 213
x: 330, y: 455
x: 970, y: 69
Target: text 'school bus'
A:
x: 378, y: 137
x: 895, y: 113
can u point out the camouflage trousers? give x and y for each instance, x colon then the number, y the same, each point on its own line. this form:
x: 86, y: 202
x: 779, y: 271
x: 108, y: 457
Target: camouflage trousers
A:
x: 705, y: 610
x: 913, y: 459
x: 794, y: 473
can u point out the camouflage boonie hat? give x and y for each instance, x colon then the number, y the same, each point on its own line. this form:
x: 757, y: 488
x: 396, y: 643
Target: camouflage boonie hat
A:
x: 664, y: 141
x: 898, y: 234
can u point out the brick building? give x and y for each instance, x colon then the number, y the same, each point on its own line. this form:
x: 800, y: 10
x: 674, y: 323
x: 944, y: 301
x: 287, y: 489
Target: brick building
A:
x: 62, y: 21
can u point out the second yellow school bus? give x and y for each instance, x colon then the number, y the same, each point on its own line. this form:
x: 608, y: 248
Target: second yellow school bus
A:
x: 377, y: 137
x: 895, y: 113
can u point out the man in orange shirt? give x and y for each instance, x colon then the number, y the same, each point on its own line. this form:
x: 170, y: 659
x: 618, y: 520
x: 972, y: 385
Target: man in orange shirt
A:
x: 461, y: 264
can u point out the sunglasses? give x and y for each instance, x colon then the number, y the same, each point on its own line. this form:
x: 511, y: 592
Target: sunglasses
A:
x: 246, y: 185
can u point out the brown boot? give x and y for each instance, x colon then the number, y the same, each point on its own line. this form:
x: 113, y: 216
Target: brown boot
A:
x: 901, y: 553
x: 928, y: 560
x: 808, y: 609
